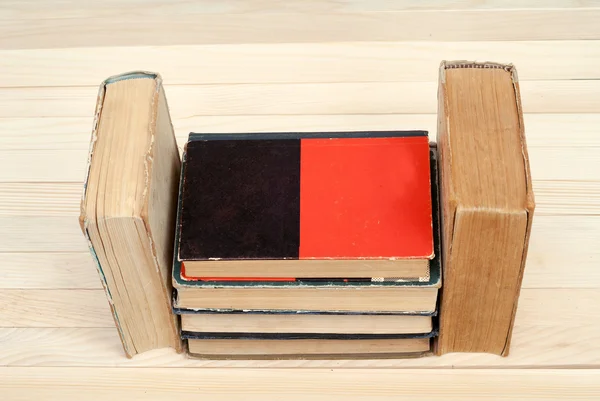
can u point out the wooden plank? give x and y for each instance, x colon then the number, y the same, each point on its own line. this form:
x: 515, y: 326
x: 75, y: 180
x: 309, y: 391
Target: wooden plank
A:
x: 41, y: 234
x: 556, y: 242
x: 549, y: 130
x: 54, y: 308
x: 294, y: 62
x: 69, y: 165
x: 43, y: 166
x: 554, y: 197
x: 562, y: 252
x: 46, y: 133
x: 549, y: 329
x: 359, y: 98
x: 399, y: 5
x: 561, y: 130
x: 149, y: 26
x: 187, y: 101
x: 567, y: 197
x: 40, y: 199
x: 550, y: 248
x: 48, y: 270
x: 537, y: 347
x: 31, y: 102
x: 31, y: 9
x: 79, y: 308
x: 559, y: 244
x: 73, y: 133
x: 155, y: 384
x: 553, y: 163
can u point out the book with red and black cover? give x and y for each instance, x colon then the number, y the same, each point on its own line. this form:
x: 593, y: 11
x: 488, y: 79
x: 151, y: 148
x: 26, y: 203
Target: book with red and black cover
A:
x: 352, y: 217
x: 313, y: 205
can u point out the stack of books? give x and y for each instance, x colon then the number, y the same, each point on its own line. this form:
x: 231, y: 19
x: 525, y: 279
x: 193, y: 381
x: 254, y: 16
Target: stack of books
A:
x: 313, y: 245
x: 308, y: 245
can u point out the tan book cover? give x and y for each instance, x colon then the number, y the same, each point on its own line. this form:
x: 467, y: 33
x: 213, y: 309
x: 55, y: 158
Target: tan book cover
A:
x: 487, y: 205
x: 128, y: 208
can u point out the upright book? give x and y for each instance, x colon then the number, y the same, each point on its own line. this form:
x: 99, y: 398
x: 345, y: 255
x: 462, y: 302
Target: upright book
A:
x: 487, y: 204
x: 129, y: 205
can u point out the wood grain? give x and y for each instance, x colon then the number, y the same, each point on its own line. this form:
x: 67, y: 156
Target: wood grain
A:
x: 73, y: 133
x: 560, y: 164
x: 562, y: 251
x: 48, y: 270
x: 75, y: 308
x: 27, y: 9
x: 399, y: 5
x: 54, y: 308
x: 549, y: 327
x: 185, y: 101
x: 259, y: 66
x: 277, y: 63
x: 567, y: 197
x: 556, y: 242
x: 40, y: 198
x: 54, y: 166
x: 68, y: 165
x: 41, y: 234
x: 276, y: 384
x: 148, y: 26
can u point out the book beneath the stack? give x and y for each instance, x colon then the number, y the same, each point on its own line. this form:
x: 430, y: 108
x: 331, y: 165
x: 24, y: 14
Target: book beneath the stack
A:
x: 240, y: 348
x: 277, y: 206
x: 395, y: 294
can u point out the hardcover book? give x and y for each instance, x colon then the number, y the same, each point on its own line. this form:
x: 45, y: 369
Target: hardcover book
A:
x: 417, y: 295
x: 129, y: 205
x: 243, y: 348
x: 306, y: 206
x: 304, y: 323
x: 487, y: 205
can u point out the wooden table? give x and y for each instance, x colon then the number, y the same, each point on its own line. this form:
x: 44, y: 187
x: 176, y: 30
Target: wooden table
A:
x: 241, y: 66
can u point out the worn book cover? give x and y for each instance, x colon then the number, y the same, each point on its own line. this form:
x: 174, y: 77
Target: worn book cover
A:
x: 309, y: 348
x: 487, y: 204
x: 300, y: 336
x: 431, y: 280
x: 133, y: 195
x: 312, y: 196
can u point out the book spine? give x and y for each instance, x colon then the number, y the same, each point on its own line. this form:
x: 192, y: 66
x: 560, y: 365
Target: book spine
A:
x: 83, y: 222
x: 482, y: 277
x: 122, y: 325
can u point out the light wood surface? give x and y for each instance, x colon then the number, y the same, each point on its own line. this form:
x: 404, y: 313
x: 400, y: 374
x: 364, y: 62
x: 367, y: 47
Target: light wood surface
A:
x: 260, y: 66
